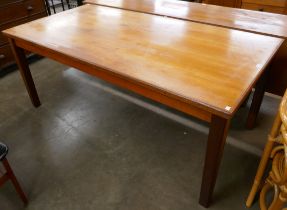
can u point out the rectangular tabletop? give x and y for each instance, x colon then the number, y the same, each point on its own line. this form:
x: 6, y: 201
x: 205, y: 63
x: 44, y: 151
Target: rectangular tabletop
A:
x: 210, y: 68
x: 246, y: 20
x: 202, y: 70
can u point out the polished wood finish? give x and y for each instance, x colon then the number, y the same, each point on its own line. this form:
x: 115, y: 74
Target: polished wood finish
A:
x: 12, y: 13
x: 4, y: 39
x: 274, y: 6
x: 225, y: 3
x: 276, y: 149
x: 263, y: 8
x: 214, y: 151
x: 9, y: 175
x: 275, y: 3
x: 251, y: 21
x: 20, y: 9
x: 185, y: 77
x: 25, y: 73
x: 151, y: 60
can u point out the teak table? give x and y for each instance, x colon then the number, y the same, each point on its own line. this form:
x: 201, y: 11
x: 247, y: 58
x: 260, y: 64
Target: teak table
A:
x: 202, y: 70
x: 245, y: 20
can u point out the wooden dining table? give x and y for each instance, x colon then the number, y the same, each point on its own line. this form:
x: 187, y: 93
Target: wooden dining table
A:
x: 202, y: 70
x: 269, y: 24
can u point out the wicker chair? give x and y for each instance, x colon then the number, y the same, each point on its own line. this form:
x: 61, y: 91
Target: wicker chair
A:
x: 276, y: 149
x: 9, y: 175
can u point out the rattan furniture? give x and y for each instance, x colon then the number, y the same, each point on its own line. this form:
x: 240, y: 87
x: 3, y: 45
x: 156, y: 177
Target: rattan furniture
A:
x: 276, y: 149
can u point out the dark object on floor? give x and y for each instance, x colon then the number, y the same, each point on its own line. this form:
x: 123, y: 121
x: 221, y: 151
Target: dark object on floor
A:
x: 9, y: 175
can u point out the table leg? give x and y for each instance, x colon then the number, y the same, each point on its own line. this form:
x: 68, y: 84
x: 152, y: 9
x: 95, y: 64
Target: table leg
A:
x: 256, y: 101
x: 215, y: 145
x: 23, y: 66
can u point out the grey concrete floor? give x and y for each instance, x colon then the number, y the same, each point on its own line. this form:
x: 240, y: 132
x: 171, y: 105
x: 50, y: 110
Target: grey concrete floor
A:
x: 94, y: 146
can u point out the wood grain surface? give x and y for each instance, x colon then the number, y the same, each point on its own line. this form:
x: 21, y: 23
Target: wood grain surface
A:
x: 246, y: 20
x: 211, y: 68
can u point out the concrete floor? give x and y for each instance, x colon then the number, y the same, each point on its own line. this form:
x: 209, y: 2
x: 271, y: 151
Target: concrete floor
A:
x: 93, y: 146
